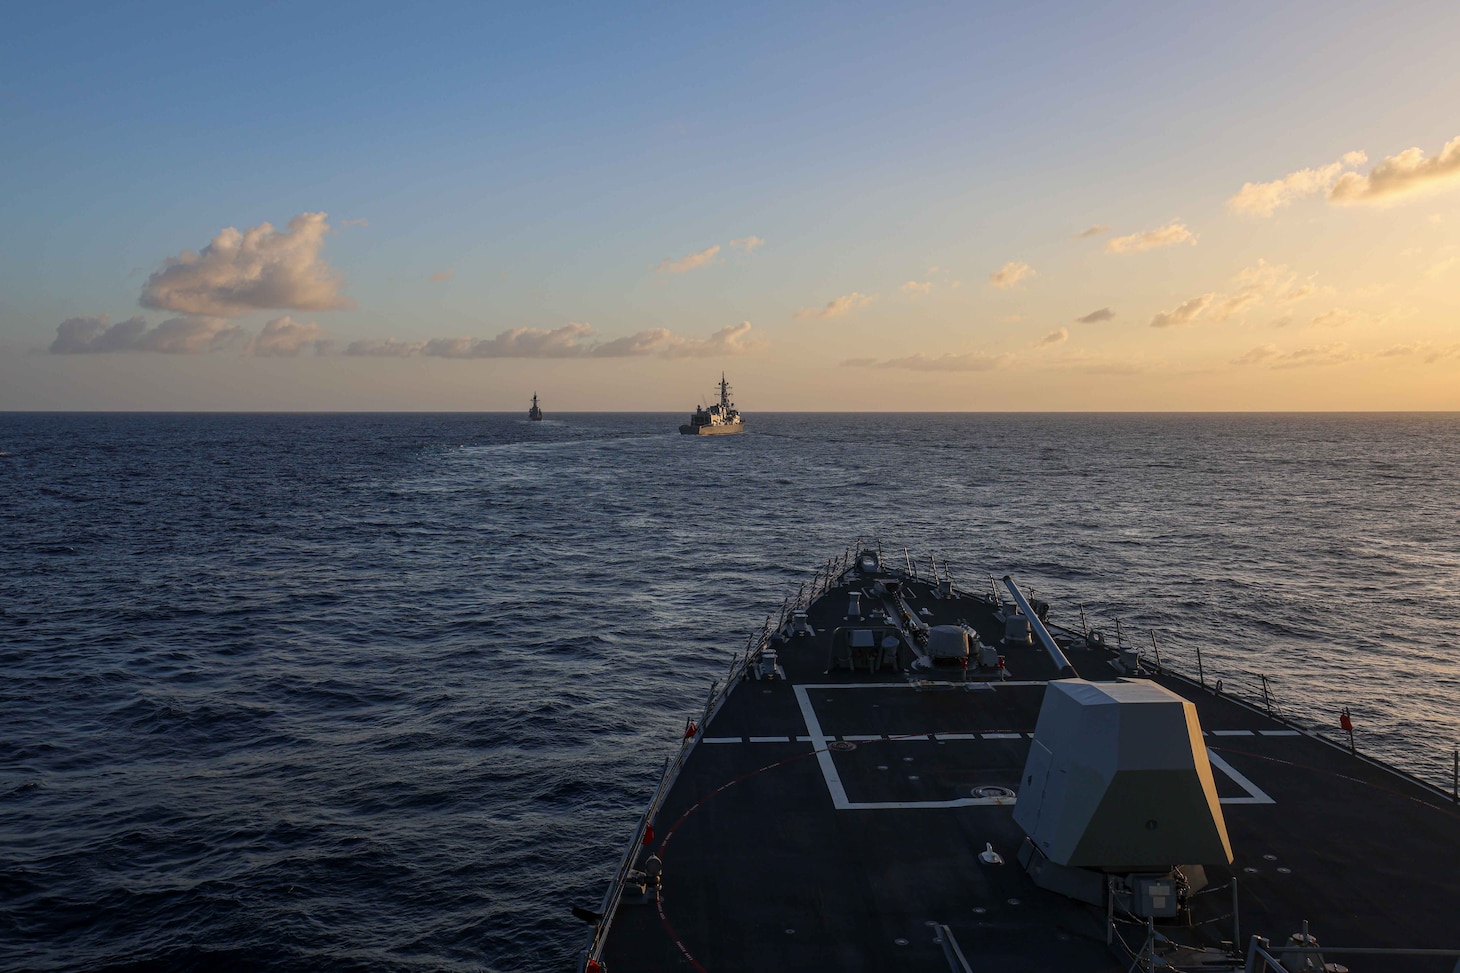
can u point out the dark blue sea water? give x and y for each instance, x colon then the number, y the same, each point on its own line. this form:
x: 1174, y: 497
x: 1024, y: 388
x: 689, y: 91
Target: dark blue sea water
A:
x: 340, y: 692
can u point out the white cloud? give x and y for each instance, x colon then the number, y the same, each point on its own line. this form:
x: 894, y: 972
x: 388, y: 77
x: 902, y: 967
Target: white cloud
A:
x: 1409, y: 173
x: 573, y: 340
x: 750, y: 244
x: 971, y: 361
x: 1333, y: 318
x: 259, y: 269
x: 1091, y: 231
x: 442, y: 276
x: 1166, y: 236
x: 733, y: 339
x: 1235, y: 304
x: 1265, y: 279
x: 692, y: 261
x: 1258, y: 355
x: 1095, y: 317
x: 1263, y: 282
x: 94, y: 335
x: 917, y: 288
x: 1272, y: 356
x: 1301, y: 292
x: 1425, y: 352
x: 837, y: 307
x: 175, y: 336
x: 1056, y: 337
x: 284, y: 338
x: 1265, y: 198
x: 387, y: 348
x: 1010, y: 274
x: 1183, y: 314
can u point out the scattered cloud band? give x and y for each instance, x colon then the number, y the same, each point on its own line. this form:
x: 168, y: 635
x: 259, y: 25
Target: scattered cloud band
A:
x: 1166, y: 236
x: 1409, y: 173
x: 1011, y: 274
x: 836, y: 307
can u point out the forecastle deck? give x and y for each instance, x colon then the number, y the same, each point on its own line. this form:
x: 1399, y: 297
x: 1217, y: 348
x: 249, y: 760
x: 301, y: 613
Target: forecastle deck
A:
x: 831, y: 818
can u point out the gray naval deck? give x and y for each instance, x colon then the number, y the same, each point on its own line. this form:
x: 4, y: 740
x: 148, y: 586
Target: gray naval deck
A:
x: 832, y: 819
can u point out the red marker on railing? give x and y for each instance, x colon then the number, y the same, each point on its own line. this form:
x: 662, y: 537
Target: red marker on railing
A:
x: 1347, y: 725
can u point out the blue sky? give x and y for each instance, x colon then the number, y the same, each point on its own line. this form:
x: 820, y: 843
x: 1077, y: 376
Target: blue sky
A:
x: 541, y: 161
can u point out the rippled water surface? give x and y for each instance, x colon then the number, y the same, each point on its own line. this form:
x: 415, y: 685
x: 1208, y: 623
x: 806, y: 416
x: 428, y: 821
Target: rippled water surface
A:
x: 388, y: 692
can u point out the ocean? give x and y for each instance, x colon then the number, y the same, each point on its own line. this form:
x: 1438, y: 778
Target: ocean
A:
x: 388, y: 692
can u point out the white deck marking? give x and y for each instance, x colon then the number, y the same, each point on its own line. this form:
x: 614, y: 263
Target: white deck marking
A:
x: 861, y: 737
x: 833, y: 780
x: 904, y: 685
x: 770, y: 739
x: 1281, y: 733
x: 838, y: 792
x: 721, y: 739
x: 1255, y: 794
x: 823, y: 756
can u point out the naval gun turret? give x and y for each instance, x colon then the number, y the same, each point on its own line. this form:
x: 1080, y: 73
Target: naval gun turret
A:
x: 1117, y: 797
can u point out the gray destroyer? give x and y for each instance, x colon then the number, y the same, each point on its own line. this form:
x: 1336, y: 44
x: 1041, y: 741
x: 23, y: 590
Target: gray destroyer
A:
x: 901, y: 773
x: 720, y: 419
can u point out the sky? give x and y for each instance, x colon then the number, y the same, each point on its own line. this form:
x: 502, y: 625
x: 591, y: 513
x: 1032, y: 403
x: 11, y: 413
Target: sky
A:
x: 844, y: 207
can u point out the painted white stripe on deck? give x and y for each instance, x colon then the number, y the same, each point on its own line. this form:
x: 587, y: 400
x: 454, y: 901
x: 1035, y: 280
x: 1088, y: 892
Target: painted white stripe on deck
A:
x: 823, y: 756
x: 861, y: 737
x: 1003, y: 736
x: 956, y: 736
x: 903, y: 805
x: 906, y: 685
x: 720, y: 739
x: 1280, y: 733
x: 770, y: 739
x: 1255, y: 794
x: 1231, y: 733
x: 834, y: 782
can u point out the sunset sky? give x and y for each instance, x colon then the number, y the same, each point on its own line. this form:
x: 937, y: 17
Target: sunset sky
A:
x: 842, y: 206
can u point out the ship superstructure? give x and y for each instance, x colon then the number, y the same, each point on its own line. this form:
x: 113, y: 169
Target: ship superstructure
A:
x: 719, y: 419
x: 534, y: 414
x: 901, y: 773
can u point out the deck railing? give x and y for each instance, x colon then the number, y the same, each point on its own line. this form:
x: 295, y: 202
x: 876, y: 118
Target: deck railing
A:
x: 1262, y: 956
x: 825, y: 578
x: 1259, y: 691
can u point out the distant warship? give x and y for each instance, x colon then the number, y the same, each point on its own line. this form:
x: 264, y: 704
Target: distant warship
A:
x: 720, y: 419
x: 535, y: 414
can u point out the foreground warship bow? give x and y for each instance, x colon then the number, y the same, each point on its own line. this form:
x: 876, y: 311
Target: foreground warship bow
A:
x: 902, y: 774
